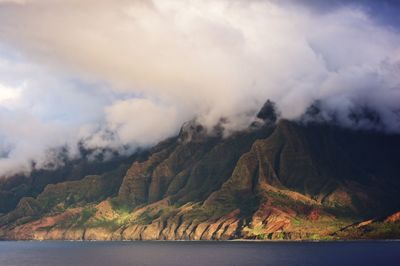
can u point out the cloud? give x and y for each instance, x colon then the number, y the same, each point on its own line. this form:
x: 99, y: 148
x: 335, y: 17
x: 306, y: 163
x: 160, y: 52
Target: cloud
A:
x: 8, y: 94
x: 129, y: 73
x: 21, y: 147
x: 139, y: 122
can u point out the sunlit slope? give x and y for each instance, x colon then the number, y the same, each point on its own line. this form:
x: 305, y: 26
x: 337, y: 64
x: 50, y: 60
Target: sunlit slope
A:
x: 272, y: 181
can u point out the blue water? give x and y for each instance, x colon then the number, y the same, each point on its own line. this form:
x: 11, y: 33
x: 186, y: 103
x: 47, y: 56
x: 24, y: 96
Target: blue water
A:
x: 198, y: 253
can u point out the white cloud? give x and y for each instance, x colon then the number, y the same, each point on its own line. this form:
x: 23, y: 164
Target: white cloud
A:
x: 25, y: 139
x: 145, y: 67
x: 8, y: 94
x: 139, y: 122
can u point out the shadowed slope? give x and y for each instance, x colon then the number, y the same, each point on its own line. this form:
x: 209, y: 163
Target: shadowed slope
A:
x: 277, y: 181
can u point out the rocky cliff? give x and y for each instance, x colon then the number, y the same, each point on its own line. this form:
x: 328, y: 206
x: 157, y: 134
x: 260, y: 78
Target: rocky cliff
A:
x: 275, y: 180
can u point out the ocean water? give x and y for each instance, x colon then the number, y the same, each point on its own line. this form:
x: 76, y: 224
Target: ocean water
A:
x: 198, y: 253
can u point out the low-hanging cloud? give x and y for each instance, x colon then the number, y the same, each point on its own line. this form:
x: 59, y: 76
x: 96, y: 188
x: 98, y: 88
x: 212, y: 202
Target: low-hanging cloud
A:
x: 129, y: 73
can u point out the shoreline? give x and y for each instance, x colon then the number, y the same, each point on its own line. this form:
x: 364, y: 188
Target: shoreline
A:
x: 209, y: 241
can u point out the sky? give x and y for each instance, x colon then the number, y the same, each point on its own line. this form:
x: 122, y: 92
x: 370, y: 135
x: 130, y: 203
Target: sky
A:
x: 126, y: 74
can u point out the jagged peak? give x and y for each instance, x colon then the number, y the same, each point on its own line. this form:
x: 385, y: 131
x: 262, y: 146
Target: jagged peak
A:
x: 192, y: 131
x: 267, y: 115
x: 268, y: 112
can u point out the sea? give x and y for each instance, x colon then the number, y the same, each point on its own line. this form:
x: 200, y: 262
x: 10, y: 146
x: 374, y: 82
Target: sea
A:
x: 60, y: 253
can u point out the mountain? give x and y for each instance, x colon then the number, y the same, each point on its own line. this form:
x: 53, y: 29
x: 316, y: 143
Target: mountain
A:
x: 275, y: 180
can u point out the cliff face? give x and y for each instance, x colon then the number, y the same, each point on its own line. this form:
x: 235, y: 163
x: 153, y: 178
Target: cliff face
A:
x: 273, y: 181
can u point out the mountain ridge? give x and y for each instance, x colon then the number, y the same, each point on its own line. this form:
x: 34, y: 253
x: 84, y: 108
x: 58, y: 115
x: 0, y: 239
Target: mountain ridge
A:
x: 275, y: 180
